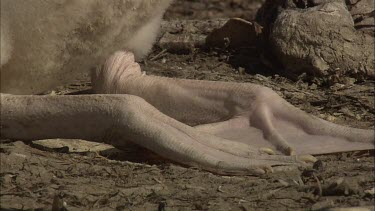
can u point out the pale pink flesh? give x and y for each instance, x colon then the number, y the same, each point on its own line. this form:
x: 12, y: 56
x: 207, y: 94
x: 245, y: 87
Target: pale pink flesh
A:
x: 231, y: 121
x: 241, y: 112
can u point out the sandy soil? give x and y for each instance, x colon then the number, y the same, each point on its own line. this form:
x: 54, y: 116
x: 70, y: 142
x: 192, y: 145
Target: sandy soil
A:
x: 31, y: 178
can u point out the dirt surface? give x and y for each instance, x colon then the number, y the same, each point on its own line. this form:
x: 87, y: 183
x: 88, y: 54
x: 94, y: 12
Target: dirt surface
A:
x: 32, y: 178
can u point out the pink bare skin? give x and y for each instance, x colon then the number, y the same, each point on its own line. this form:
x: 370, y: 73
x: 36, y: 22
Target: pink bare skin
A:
x: 243, y: 112
x: 226, y: 128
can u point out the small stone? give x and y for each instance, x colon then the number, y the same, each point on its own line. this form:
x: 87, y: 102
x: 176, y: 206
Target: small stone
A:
x: 347, y: 112
x: 241, y: 70
x: 331, y: 118
x: 370, y: 191
x: 71, y: 145
x: 313, y: 86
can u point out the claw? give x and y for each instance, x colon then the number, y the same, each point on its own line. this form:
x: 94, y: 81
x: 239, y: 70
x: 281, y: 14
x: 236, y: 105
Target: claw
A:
x: 290, y: 151
x: 267, y: 150
x: 307, y: 158
x: 267, y: 169
x: 257, y: 171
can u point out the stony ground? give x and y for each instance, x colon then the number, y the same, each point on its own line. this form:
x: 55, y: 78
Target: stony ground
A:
x: 31, y: 178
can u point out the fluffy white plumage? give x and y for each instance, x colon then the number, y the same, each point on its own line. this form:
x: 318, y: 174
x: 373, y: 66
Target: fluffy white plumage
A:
x: 5, y: 42
x: 50, y: 43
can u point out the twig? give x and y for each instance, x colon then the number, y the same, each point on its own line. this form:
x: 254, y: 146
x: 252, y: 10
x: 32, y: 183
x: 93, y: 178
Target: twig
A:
x: 159, y: 55
x: 319, y: 185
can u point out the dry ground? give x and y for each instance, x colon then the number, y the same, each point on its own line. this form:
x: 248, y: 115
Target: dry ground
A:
x: 30, y: 177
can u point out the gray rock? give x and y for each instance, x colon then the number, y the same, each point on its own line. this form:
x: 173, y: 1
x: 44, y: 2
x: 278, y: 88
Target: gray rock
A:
x: 319, y: 38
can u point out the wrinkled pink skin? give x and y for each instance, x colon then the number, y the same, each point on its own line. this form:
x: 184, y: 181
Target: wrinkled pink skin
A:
x: 227, y: 128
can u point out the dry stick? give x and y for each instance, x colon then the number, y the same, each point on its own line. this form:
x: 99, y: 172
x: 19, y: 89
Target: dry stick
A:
x: 159, y: 55
x: 319, y: 185
x: 185, y: 35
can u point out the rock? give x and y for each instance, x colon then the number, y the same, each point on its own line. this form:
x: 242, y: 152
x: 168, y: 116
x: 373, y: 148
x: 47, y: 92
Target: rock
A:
x: 319, y: 38
x: 71, y: 145
x: 370, y: 192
